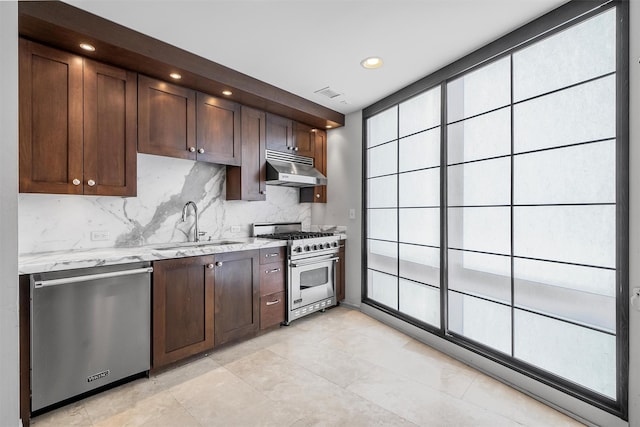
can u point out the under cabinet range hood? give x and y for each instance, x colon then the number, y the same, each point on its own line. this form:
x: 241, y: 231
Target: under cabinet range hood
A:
x: 290, y: 170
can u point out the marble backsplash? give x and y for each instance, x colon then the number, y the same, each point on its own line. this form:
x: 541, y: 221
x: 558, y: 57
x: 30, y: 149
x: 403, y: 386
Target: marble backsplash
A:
x: 49, y: 222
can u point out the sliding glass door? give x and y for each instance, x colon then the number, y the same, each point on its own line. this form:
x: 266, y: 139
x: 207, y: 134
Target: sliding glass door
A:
x: 493, y: 216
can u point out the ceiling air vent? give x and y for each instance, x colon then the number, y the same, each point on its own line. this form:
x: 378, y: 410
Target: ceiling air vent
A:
x: 328, y: 92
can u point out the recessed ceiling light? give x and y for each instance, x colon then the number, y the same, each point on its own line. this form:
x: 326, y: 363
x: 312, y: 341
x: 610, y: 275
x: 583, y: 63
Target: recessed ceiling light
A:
x: 87, y: 47
x: 372, y: 62
x: 227, y: 93
x: 329, y: 126
x: 175, y: 76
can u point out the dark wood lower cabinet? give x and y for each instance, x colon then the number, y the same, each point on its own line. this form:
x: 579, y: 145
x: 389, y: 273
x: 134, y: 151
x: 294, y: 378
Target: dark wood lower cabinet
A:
x: 237, y: 293
x: 340, y: 273
x: 183, y: 308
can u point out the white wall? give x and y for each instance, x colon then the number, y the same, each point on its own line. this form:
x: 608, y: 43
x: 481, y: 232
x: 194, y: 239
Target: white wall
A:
x: 344, y: 192
x: 9, y: 367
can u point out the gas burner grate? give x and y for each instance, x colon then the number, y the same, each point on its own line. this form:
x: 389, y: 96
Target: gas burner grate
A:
x: 297, y: 235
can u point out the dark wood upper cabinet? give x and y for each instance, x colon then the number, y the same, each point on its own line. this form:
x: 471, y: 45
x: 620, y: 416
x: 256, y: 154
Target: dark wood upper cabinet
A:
x: 218, y: 130
x: 77, y: 124
x: 178, y: 122
x: 237, y: 296
x: 110, y: 114
x: 166, y: 119
x: 279, y: 133
x: 317, y: 194
x: 247, y: 182
x: 303, y: 140
x: 183, y: 308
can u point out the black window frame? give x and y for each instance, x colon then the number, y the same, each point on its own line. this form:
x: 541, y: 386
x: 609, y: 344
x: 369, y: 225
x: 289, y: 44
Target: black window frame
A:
x: 553, y: 22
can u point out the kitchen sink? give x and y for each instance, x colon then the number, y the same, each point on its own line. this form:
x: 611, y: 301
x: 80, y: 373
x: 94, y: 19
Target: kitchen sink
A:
x: 187, y: 245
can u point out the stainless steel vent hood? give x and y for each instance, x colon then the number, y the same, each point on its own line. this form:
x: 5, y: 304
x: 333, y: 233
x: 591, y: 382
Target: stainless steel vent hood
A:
x: 292, y: 171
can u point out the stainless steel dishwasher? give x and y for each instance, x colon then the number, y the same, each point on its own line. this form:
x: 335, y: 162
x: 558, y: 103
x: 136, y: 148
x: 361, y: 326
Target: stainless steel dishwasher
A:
x: 89, y: 327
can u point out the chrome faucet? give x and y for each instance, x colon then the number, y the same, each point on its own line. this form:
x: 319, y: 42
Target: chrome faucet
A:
x: 196, y: 233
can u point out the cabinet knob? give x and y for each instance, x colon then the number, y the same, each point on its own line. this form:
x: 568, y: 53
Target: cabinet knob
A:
x: 289, y: 148
x: 263, y: 191
x: 219, y: 264
x: 209, y: 266
x: 76, y: 181
x: 192, y: 149
x: 91, y: 183
x: 318, y: 196
x: 295, y: 149
x: 201, y: 150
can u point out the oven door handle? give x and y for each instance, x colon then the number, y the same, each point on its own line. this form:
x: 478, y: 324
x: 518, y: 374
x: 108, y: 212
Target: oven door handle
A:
x: 294, y: 265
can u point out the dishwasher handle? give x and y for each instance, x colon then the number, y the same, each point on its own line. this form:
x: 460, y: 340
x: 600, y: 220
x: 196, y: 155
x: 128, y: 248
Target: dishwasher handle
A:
x: 38, y: 283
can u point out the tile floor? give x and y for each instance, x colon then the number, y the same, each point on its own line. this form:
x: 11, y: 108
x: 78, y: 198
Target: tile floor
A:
x: 339, y: 368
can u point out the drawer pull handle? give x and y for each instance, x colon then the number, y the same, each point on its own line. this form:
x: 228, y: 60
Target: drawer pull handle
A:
x: 275, y: 270
x: 273, y: 302
x: 271, y: 255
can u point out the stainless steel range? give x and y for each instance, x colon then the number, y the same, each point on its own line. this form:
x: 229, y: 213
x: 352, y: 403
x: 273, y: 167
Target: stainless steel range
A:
x: 311, y: 261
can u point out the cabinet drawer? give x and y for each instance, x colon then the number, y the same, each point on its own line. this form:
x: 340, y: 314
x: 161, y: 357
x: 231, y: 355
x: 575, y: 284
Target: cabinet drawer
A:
x: 269, y: 255
x: 272, y: 310
x: 272, y: 278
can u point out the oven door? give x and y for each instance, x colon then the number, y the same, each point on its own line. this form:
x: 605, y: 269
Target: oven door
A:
x: 311, y: 280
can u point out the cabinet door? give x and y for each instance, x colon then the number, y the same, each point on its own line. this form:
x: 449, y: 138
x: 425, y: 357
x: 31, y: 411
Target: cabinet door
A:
x: 183, y: 308
x: 50, y: 91
x: 237, y: 293
x: 317, y: 194
x: 166, y: 119
x: 303, y: 140
x: 247, y: 182
x: 218, y: 130
x: 279, y: 133
x: 340, y: 272
x: 110, y: 123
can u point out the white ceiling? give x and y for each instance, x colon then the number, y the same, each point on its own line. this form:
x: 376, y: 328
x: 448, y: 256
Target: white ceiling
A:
x: 305, y: 45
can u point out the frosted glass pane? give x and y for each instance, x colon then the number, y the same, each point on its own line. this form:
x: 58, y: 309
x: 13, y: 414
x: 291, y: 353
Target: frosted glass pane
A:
x: 383, y: 288
x: 383, y: 127
x: 487, y: 276
x: 597, y: 281
x: 582, y: 113
x: 487, y: 182
x: 579, y: 174
x: 575, y: 302
x: 420, y: 151
x: 420, y: 301
x: 382, y: 224
x: 383, y: 192
x: 420, y: 226
x: 383, y: 256
x: 420, y: 112
x: 383, y: 159
x: 421, y: 188
x: 577, y: 54
x: 581, y: 355
x: 479, y: 138
x: 482, y: 321
x: 480, y: 229
x: 420, y: 263
x: 479, y: 91
x: 576, y: 234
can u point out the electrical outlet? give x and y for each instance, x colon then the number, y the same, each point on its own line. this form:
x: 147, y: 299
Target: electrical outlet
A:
x: 352, y: 214
x: 235, y: 228
x: 99, y: 235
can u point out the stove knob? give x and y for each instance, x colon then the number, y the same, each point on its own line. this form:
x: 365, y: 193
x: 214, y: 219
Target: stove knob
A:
x: 327, y: 245
x: 315, y: 247
x: 334, y: 244
x: 297, y: 249
x: 307, y: 248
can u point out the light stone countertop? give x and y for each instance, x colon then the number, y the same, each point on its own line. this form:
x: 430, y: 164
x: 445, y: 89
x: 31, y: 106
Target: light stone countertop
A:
x: 66, y: 260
